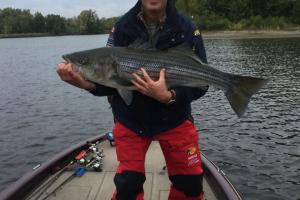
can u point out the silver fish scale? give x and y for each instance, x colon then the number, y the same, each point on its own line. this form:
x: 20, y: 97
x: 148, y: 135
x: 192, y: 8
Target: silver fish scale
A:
x: 176, y: 72
x: 179, y: 68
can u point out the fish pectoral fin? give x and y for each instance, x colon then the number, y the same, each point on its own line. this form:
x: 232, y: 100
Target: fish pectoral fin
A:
x: 121, y: 81
x: 126, y: 95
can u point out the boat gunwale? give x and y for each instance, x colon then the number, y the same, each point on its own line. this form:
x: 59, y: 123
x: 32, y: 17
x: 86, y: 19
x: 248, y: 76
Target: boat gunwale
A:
x: 218, y: 181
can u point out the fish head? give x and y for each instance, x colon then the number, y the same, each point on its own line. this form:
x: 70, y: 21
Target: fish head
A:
x: 78, y: 59
x: 95, y: 65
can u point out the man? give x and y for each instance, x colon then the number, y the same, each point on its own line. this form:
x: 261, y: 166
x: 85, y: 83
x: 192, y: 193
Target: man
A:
x: 156, y: 112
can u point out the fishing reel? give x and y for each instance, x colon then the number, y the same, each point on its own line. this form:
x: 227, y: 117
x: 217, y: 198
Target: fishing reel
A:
x: 97, y: 162
x: 92, y: 158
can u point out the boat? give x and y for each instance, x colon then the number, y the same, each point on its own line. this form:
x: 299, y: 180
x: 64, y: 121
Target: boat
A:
x: 76, y: 175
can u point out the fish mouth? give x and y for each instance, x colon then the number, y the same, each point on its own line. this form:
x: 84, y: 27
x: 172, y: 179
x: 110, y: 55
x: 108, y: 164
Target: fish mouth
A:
x: 75, y: 66
x: 66, y: 58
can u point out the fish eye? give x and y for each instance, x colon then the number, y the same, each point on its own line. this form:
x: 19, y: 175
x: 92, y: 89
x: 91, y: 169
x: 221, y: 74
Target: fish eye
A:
x: 83, y: 61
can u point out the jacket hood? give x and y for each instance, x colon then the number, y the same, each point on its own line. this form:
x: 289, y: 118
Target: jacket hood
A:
x: 170, y: 9
x: 133, y: 28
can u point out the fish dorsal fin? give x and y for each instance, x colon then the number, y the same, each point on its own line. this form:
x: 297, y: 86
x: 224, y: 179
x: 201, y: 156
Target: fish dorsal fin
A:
x: 185, y: 49
x: 141, y: 44
x: 126, y: 95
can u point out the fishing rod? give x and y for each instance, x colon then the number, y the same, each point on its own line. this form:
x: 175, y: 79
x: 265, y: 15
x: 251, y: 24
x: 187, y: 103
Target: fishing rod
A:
x: 51, y: 180
x: 80, y: 171
x: 90, y: 157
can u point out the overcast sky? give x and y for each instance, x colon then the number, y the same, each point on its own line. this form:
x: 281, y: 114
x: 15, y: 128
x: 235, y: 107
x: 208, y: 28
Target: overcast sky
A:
x: 70, y: 8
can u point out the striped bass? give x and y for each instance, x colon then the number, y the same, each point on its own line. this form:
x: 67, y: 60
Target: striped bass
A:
x: 113, y: 67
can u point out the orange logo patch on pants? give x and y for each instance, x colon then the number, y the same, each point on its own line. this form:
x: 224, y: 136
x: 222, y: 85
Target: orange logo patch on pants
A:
x: 191, y: 151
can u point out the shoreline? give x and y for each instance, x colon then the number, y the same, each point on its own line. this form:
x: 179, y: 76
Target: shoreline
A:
x: 250, y: 34
x: 242, y: 34
x: 24, y: 35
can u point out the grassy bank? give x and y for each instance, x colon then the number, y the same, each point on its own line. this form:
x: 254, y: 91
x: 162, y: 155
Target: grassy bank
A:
x: 250, y: 34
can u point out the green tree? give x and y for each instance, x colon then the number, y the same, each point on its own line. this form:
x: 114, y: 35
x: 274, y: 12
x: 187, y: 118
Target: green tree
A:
x: 9, y: 24
x: 234, y: 10
x: 16, y: 21
x: 72, y: 26
x: 1, y: 21
x: 9, y: 21
x: 295, y: 15
x: 258, y: 7
x: 106, y: 24
x: 88, y: 22
x: 192, y: 8
x: 280, y: 8
x: 55, y: 24
x: 39, y: 23
x: 24, y: 21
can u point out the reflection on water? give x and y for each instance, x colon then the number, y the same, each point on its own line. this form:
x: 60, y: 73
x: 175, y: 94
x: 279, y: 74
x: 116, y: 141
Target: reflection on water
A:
x: 40, y: 115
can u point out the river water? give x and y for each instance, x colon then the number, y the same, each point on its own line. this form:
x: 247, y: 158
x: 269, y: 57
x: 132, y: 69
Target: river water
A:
x: 40, y: 115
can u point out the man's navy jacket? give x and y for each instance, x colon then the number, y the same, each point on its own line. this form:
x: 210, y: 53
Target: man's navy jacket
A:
x: 146, y: 116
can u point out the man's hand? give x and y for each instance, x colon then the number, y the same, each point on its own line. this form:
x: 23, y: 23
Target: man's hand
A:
x: 155, y: 89
x: 69, y: 75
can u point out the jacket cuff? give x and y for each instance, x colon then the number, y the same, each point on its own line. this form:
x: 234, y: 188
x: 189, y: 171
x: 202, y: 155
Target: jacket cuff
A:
x: 189, y: 94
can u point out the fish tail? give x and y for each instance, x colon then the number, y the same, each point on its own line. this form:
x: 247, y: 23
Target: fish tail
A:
x: 239, y: 95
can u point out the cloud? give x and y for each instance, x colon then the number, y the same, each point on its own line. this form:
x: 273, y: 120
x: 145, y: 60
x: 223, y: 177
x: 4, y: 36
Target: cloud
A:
x: 70, y: 8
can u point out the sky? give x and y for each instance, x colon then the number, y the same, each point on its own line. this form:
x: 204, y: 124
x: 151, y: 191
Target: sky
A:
x: 71, y: 8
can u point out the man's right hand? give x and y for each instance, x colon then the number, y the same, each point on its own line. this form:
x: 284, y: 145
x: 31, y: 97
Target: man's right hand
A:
x: 69, y: 75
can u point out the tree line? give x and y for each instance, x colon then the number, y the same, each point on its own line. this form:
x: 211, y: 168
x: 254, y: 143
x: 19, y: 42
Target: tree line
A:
x: 207, y: 14
x: 242, y: 14
x: 14, y: 21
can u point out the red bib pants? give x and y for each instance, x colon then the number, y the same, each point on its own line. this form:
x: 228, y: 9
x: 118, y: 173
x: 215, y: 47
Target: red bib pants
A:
x: 182, y: 155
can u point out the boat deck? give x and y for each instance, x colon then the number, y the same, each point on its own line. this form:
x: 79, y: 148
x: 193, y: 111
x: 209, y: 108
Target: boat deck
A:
x: 99, y: 185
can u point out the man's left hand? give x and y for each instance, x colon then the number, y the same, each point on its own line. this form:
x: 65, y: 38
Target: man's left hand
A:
x: 155, y: 89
